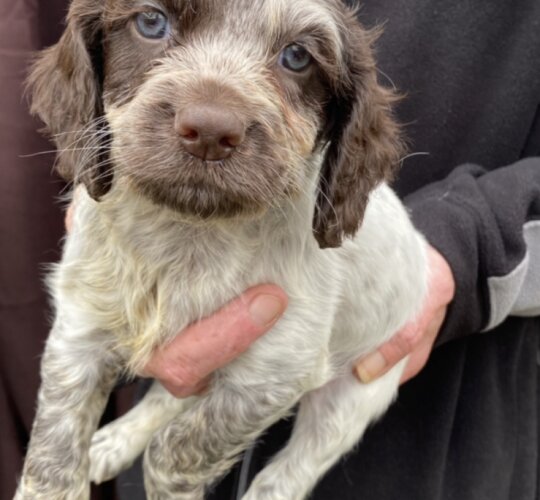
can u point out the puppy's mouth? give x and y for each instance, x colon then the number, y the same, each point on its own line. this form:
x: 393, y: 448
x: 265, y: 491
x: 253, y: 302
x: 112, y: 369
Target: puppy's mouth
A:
x: 212, y: 178
x: 200, y: 200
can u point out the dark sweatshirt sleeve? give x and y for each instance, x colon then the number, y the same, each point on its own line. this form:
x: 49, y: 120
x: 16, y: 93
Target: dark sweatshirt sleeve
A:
x: 487, y: 225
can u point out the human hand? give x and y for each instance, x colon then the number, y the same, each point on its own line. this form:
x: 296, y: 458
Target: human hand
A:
x: 185, y: 366
x: 417, y: 338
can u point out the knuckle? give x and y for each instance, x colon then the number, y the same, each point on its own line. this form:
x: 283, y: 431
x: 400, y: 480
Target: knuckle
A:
x: 407, y: 339
x: 180, y: 392
x: 181, y: 376
x: 397, y: 348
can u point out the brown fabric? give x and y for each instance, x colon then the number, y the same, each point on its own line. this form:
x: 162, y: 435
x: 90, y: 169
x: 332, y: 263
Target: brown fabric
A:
x: 31, y: 227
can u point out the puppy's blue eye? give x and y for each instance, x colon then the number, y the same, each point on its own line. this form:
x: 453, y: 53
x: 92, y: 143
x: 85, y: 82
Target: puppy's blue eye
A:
x: 296, y: 58
x: 152, y: 24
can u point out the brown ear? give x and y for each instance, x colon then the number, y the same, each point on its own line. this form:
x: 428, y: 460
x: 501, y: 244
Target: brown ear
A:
x: 364, y: 142
x: 66, y: 86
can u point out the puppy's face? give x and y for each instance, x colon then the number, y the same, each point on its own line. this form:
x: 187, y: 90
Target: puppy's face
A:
x: 215, y: 107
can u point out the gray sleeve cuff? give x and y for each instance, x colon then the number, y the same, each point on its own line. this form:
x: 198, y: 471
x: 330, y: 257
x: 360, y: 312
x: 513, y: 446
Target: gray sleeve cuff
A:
x: 518, y: 293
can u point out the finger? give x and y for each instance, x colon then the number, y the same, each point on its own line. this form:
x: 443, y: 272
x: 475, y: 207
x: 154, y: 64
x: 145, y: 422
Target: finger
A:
x: 68, y: 221
x: 184, y: 392
x: 420, y: 355
x: 215, y: 341
x: 379, y: 362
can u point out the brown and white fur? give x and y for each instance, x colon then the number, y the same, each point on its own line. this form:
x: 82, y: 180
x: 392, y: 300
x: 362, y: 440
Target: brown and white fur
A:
x: 162, y: 238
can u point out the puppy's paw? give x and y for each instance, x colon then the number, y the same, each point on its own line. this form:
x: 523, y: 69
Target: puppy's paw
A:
x: 113, y: 449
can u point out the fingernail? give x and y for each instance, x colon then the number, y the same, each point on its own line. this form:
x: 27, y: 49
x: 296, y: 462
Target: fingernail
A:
x: 371, y: 367
x: 266, y: 309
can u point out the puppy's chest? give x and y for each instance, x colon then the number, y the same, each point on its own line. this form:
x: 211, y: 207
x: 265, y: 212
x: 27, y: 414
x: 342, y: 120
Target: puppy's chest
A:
x: 143, y: 289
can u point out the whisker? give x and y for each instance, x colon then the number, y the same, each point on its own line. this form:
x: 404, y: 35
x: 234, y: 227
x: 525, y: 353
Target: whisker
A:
x: 413, y: 155
x: 394, y: 86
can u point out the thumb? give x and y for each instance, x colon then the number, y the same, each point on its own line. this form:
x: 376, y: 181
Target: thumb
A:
x: 203, y: 347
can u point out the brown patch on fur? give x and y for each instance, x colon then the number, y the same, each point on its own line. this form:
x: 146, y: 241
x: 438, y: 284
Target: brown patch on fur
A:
x: 66, y: 83
x: 365, y: 144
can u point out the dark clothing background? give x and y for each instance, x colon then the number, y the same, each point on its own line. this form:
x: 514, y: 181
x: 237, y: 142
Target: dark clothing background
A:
x: 30, y: 230
x: 467, y: 427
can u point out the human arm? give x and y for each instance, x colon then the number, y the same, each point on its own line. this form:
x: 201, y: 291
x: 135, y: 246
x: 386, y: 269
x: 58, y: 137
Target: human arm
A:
x: 486, y: 226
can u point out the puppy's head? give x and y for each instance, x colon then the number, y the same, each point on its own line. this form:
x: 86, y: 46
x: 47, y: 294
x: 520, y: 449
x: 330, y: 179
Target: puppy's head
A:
x: 218, y: 107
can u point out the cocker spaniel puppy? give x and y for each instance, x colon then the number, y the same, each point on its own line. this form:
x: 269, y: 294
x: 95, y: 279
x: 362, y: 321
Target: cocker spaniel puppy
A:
x: 221, y: 144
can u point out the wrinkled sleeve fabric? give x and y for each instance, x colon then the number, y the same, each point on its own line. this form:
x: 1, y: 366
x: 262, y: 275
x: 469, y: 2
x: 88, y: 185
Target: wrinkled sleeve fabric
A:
x: 487, y: 225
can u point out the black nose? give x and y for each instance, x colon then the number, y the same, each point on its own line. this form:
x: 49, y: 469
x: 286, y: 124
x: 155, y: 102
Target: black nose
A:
x: 209, y: 132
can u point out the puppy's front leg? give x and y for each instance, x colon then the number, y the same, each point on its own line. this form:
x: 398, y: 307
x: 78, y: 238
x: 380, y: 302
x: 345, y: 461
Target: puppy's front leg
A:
x: 204, y: 443
x: 116, y: 446
x: 330, y: 422
x: 76, y: 382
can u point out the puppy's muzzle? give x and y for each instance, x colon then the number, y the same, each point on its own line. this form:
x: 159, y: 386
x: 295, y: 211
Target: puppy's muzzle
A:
x: 209, y: 131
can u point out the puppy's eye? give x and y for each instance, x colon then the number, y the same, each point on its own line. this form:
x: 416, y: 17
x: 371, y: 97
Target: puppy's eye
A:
x: 153, y: 25
x: 295, y: 58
